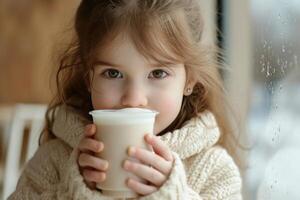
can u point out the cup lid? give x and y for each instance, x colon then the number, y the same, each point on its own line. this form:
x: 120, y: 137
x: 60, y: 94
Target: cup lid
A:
x: 124, y: 111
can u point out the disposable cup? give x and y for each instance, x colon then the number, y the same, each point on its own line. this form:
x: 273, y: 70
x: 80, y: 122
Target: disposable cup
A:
x: 118, y: 130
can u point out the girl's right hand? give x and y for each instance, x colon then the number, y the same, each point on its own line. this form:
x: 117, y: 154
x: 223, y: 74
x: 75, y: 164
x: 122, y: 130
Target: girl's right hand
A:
x: 92, y: 168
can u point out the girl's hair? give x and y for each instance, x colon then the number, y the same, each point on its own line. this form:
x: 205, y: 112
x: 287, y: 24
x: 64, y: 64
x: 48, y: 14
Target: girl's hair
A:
x: 152, y: 25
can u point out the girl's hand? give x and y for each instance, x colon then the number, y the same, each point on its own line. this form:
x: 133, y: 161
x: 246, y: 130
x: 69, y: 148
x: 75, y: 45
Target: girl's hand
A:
x: 161, y: 162
x: 92, y: 168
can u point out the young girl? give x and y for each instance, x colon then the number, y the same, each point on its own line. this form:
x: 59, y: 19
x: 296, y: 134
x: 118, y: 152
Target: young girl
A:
x: 146, y: 54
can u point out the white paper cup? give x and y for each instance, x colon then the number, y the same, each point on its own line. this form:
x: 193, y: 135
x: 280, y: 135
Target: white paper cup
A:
x: 119, y: 129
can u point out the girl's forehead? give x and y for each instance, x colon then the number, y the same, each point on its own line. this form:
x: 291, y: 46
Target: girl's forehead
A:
x: 122, y: 46
x: 115, y: 44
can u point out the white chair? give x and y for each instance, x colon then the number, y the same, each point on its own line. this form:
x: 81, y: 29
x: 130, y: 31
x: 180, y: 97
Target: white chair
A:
x: 26, y: 117
x: 6, y: 111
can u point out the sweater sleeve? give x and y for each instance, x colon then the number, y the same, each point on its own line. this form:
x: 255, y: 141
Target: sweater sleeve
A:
x: 52, y: 173
x: 221, y: 181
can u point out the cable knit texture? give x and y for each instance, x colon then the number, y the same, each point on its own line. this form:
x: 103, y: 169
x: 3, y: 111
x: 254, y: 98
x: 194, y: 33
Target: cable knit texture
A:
x: 201, y: 170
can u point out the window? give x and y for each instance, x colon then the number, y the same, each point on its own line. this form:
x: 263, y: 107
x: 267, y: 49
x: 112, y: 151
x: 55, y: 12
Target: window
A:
x: 262, y: 48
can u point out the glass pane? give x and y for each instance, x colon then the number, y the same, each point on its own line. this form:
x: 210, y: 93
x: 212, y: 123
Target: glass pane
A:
x: 274, y: 118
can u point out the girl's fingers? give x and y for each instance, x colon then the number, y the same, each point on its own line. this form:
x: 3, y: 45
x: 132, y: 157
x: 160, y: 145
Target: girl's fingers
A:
x: 90, y: 130
x: 86, y: 160
x: 140, y: 188
x: 89, y: 144
x: 90, y: 184
x: 94, y: 176
x: 149, y: 158
x: 159, y: 147
x: 145, y: 172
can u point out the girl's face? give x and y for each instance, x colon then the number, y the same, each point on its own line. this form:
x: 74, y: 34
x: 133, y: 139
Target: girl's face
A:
x: 124, y: 78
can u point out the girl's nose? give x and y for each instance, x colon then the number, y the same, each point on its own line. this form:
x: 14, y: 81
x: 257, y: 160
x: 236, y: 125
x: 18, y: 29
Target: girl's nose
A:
x: 134, y: 97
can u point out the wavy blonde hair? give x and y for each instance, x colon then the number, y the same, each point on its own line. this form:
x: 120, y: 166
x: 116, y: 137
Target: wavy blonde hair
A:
x: 177, y: 24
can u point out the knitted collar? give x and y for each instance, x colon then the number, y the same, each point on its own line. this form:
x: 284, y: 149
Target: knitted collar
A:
x: 197, y: 134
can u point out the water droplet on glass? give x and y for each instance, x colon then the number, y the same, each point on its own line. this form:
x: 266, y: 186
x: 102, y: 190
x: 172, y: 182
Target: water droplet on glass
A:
x: 282, y: 70
x: 286, y: 64
x: 265, y: 44
x: 278, y: 61
x: 268, y: 71
x: 283, y: 48
x: 272, y: 90
x: 296, y: 60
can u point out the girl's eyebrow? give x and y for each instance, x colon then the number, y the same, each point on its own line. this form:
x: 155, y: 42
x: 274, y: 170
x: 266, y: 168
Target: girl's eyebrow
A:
x: 162, y: 63
x: 106, y: 63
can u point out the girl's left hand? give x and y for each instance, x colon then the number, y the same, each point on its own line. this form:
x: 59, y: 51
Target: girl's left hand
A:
x: 161, y: 162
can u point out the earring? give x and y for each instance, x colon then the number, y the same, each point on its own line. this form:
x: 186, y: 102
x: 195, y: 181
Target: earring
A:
x: 188, y: 91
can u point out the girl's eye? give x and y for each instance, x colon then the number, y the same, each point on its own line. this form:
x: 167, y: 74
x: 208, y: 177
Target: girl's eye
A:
x: 112, y: 73
x: 158, y: 74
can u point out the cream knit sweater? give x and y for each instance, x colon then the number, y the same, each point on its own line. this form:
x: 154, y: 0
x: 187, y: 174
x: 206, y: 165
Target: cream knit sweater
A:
x: 202, y: 169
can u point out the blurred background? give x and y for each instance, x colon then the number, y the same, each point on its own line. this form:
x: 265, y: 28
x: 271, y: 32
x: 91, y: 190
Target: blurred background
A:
x: 261, y: 48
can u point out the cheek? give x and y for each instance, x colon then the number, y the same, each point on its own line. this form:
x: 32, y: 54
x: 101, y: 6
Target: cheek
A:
x: 104, y: 94
x: 103, y: 99
x: 168, y: 107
